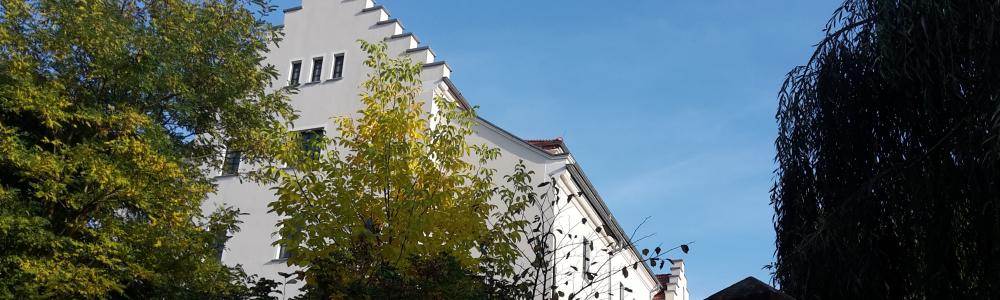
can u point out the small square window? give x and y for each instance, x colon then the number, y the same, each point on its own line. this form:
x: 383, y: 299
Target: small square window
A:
x: 296, y: 70
x: 308, y: 140
x: 317, y: 69
x: 338, y: 66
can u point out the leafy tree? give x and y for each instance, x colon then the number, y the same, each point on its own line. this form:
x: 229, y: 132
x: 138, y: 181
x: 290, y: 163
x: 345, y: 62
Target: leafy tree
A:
x: 108, y: 112
x: 887, y: 148
x: 394, y: 193
x: 425, y: 277
x: 399, y: 200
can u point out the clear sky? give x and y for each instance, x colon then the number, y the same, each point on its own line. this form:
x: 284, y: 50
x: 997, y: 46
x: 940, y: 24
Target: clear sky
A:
x: 667, y: 105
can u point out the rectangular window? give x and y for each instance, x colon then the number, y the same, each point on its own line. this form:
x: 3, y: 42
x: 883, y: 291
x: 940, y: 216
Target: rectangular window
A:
x: 283, y: 252
x: 338, y: 66
x: 317, y: 69
x: 231, y: 164
x: 221, y: 237
x: 586, y: 258
x: 310, y: 141
x: 296, y: 70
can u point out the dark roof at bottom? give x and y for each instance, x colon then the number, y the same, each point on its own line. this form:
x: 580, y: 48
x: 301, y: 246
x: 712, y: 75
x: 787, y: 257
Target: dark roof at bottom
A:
x: 749, y: 288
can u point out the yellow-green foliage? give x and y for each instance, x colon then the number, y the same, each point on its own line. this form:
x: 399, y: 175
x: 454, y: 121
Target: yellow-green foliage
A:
x: 108, y: 111
x: 395, y: 176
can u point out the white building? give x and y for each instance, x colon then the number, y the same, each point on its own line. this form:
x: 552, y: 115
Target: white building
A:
x: 320, y: 51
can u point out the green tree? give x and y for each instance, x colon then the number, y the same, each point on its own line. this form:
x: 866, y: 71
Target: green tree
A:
x: 394, y: 193
x: 439, y: 276
x: 109, y: 111
x: 887, y: 149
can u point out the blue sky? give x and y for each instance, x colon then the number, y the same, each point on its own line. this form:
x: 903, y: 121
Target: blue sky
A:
x: 667, y: 105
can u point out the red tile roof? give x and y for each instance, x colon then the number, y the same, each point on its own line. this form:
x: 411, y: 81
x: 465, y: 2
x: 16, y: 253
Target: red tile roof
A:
x: 659, y: 296
x: 664, y: 278
x: 553, y: 146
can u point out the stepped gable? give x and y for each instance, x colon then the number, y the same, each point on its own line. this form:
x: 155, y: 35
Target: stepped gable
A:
x: 379, y: 24
x: 399, y: 41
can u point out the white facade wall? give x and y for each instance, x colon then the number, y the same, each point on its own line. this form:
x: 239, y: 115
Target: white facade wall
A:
x: 612, y: 283
x: 324, y: 28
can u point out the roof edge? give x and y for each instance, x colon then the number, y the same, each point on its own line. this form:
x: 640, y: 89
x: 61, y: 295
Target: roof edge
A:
x: 436, y: 63
x: 458, y: 94
x: 602, y: 210
x: 403, y: 35
x: 373, y: 8
x: 521, y: 141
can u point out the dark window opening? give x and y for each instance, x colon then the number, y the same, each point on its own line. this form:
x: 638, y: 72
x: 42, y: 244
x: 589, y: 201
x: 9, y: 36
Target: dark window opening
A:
x: 221, y: 237
x: 231, y: 164
x: 317, y: 69
x: 296, y: 69
x: 310, y: 141
x: 338, y: 65
x: 284, y: 252
x: 586, y: 258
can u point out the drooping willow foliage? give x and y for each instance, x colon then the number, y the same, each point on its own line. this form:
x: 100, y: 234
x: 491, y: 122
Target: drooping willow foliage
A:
x: 888, y: 184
